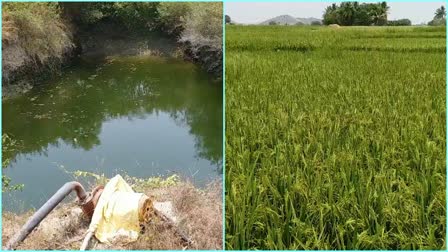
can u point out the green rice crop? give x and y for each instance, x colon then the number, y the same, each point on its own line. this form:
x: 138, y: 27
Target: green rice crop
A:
x: 335, y: 138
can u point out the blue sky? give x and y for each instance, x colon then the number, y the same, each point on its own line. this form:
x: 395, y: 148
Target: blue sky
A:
x: 253, y: 12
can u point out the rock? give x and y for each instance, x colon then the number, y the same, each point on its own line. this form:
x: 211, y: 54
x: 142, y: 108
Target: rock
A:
x: 167, y: 209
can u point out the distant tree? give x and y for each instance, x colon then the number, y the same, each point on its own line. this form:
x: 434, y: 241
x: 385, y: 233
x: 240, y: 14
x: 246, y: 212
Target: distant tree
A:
x: 299, y: 23
x: 440, y: 13
x: 437, y: 22
x: 399, y: 22
x: 272, y: 23
x: 228, y: 20
x: 316, y: 23
x: 346, y: 11
x: 439, y: 17
x: 330, y: 15
x: 379, y: 13
x: 362, y: 16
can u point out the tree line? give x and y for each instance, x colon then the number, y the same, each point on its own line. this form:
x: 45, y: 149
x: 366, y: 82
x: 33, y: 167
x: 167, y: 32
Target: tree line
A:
x: 354, y: 13
x: 367, y: 14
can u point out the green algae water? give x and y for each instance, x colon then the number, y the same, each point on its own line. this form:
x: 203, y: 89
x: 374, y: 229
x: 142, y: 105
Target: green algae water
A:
x: 137, y: 115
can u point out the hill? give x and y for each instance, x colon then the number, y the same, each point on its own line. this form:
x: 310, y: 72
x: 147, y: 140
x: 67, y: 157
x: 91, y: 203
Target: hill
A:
x: 289, y: 20
x: 308, y: 21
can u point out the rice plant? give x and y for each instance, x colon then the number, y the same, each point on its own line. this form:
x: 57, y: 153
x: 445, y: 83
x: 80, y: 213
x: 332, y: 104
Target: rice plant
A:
x: 335, y: 138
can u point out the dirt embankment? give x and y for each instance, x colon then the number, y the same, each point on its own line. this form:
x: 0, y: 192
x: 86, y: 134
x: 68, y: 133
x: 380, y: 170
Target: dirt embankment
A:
x: 22, y: 69
x: 20, y: 72
x: 198, y: 213
x: 108, y: 38
x: 33, y: 47
x: 209, y: 57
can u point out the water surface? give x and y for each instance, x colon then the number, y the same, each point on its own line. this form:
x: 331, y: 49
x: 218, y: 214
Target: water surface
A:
x: 137, y: 115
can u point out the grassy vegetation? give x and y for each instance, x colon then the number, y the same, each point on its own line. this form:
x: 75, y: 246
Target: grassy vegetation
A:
x: 8, y: 145
x: 197, y: 23
x: 27, y: 43
x: 28, y: 24
x: 335, y: 138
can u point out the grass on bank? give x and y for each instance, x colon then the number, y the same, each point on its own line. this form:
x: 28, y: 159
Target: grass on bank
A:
x: 335, y: 138
x: 199, y: 213
x: 37, y: 30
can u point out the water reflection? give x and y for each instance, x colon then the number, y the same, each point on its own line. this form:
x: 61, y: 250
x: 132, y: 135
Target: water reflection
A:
x: 90, y: 98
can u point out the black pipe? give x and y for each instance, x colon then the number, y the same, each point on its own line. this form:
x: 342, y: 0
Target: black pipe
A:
x: 45, y: 210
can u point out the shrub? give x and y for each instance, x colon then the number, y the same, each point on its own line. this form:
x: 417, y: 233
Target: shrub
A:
x: 228, y: 19
x: 437, y: 22
x: 133, y: 15
x: 204, y: 23
x: 172, y: 16
x: 8, y: 144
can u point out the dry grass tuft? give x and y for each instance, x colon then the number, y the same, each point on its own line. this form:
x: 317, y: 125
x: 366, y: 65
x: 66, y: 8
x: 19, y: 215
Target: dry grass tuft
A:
x: 33, y: 35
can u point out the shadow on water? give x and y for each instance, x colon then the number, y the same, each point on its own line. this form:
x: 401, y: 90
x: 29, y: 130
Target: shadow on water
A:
x: 143, y: 115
